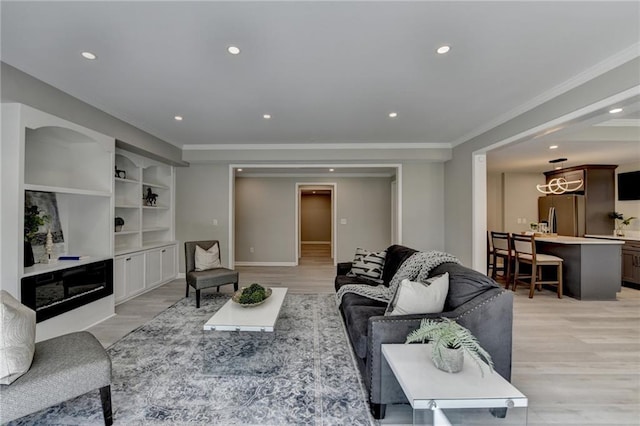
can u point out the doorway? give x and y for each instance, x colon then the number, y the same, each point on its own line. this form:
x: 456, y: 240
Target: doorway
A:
x: 315, y: 230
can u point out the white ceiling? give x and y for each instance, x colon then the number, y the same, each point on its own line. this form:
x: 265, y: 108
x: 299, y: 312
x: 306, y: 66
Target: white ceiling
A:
x: 326, y: 71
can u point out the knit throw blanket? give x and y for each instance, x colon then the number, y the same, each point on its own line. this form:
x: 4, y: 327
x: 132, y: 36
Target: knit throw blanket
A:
x: 415, y: 268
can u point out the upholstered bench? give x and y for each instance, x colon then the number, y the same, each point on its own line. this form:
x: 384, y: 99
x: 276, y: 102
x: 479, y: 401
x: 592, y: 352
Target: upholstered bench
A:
x: 63, y: 368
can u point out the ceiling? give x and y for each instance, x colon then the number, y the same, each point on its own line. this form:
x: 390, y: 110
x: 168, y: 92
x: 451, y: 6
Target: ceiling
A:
x: 326, y: 72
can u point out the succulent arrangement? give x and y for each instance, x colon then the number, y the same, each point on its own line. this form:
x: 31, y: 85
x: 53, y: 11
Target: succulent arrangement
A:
x: 255, y: 293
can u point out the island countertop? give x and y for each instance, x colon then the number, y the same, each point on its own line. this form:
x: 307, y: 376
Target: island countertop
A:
x: 611, y: 237
x: 562, y: 239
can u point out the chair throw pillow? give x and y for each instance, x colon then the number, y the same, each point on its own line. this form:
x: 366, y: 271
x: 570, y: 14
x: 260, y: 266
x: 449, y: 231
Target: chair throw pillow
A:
x: 420, y: 298
x: 17, y: 338
x: 207, y: 259
x: 368, y: 265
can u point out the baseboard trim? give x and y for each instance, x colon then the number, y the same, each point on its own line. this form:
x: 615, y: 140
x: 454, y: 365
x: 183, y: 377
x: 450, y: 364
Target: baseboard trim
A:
x: 316, y: 242
x: 180, y: 275
x: 266, y: 263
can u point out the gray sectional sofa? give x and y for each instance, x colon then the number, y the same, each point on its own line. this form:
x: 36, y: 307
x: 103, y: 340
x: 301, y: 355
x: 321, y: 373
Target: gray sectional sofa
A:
x: 474, y: 300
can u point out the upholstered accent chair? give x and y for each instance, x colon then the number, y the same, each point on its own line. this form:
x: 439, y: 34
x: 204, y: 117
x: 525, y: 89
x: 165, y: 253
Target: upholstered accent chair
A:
x: 64, y: 367
x: 214, y: 277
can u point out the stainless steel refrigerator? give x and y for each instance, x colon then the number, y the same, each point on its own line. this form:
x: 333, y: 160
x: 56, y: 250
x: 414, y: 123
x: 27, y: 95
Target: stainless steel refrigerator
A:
x: 565, y: 214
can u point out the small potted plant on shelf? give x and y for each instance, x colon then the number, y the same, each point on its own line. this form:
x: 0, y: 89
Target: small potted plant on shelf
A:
x: 449, y: 342
x: 33, y: 220
x: 621, y: 222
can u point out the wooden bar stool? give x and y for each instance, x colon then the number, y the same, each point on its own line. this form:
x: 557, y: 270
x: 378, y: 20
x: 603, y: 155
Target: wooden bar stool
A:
x: 524, y: 247
x: 502, y: 250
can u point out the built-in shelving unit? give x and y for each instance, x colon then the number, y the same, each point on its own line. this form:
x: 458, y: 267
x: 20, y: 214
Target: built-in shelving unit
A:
x: 73, y: 165
x: 145, y: 247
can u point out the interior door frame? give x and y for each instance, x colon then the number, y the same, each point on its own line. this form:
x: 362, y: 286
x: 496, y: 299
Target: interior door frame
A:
x: 333, y: 188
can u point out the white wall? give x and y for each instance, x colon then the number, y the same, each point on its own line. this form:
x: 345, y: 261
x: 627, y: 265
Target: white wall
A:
x: 494, y: 202
x: 520, y: 200
x: 265, y: 216
x: 632, y: 207
x: 202, y: 195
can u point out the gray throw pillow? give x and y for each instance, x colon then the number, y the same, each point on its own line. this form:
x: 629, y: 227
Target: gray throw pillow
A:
x: 368, y: 265
x: 17, y: 338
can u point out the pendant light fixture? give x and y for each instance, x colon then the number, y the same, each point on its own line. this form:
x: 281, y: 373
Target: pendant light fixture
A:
x: 560, y: 185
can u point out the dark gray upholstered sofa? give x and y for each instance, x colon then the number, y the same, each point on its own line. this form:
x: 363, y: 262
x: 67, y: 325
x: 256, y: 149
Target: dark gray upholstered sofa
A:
x: 474, y: 300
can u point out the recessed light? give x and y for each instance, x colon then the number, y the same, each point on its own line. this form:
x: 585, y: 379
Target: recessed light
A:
x: 558, y: 167
x: 89, y: 55
x: 234, y: 50
x: 393, y: 114
x: 331, y: 170
x: 553, y: 147
x: 266, y: 116
x: 443, y: 49
x: 178, y: 118
x: 239, y: 170
x: 615, y: 110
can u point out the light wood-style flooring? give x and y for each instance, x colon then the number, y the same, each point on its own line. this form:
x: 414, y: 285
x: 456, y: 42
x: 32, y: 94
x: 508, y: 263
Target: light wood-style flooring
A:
x: 578, y: 362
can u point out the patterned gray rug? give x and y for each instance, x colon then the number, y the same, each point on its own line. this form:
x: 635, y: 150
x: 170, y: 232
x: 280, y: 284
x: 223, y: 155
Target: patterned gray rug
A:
x: 170, y: 371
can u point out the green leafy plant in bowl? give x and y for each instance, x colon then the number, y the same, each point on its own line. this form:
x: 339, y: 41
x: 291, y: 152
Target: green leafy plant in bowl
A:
x: 449, y: 341
x: 253, y: 295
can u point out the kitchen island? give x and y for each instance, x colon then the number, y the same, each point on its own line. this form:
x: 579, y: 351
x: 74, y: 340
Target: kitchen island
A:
x: 591, y: 267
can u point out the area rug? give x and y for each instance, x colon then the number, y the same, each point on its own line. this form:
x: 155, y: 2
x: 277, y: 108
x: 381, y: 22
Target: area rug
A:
x: 170, y: 371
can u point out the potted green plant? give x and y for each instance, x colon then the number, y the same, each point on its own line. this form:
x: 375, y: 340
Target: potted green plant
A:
x: 621, y: 222
x: 33, y: 220
x: 449, y: 342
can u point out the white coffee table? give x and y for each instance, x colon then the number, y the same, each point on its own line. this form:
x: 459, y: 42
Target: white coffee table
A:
x: 233, y: 317
x: 436, y: 395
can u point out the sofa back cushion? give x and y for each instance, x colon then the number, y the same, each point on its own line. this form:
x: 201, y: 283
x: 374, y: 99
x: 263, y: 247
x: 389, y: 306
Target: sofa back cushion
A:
x: 464, y: 284
x: 396, y: 255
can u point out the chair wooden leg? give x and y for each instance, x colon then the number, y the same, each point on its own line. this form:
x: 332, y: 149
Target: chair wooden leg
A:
x: 532, y: 288
x: 105, y: 398
x: 187, y: 295
x: 560, y: 281
x: 508, y: 274
x: 197, y: 298
x: 235, y: 286
x: 494, y: 268
x: 515, y: 276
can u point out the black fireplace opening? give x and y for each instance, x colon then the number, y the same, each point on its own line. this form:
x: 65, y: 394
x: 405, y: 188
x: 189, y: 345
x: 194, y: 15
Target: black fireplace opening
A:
x: 54, y: 293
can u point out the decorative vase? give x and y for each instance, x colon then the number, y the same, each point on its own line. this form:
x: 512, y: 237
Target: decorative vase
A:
x: 28, y: 254
x: 619, y: 231
x: 450, y: 360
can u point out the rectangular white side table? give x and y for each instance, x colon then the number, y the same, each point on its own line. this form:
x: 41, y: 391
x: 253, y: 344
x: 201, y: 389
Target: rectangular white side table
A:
x: 441, y: 398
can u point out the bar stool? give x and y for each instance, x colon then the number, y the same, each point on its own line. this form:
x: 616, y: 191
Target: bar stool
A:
x: 524, y: 247
x: 502, y: 250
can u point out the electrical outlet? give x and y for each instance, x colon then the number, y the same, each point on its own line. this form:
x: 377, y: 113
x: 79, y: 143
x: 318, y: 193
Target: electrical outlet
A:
x: 215, y: 222
x: 343, y: 221
x: 250, y: 249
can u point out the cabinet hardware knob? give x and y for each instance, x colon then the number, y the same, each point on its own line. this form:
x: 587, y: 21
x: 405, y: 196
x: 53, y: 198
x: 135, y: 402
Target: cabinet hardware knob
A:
x: 164, y: 251
x: 128, y: 259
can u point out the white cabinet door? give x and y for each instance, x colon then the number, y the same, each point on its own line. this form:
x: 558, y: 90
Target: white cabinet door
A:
x: 153, y: 268
x: 168, y: 263
x: 119, y: 279
x: 134, y: 273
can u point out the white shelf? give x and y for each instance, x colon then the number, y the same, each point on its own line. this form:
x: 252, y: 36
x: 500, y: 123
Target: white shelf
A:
x: 141, y: 221
x: 62, y: 190
x: 155, y: 185
x: 147, y: 246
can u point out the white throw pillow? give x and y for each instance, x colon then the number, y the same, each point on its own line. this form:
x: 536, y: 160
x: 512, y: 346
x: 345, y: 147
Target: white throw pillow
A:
x: 207, y: 259
x: 368, y: 265
x: 420, y: 298
x: 17, y: 338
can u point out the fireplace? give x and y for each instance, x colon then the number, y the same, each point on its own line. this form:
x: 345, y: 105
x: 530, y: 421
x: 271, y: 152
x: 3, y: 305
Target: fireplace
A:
x: 54, y: 293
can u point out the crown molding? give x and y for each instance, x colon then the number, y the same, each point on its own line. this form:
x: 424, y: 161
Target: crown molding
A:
x: 314, y: 175
x: 620, y: 58
x: 316, y: 146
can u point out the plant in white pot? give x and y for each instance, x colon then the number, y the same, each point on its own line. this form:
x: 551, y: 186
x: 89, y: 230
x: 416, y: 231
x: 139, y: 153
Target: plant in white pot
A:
x: 449, y: 342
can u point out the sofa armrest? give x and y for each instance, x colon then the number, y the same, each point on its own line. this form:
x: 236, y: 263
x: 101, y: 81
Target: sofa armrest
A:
x: 343, y: 268
x: 488, y: 316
